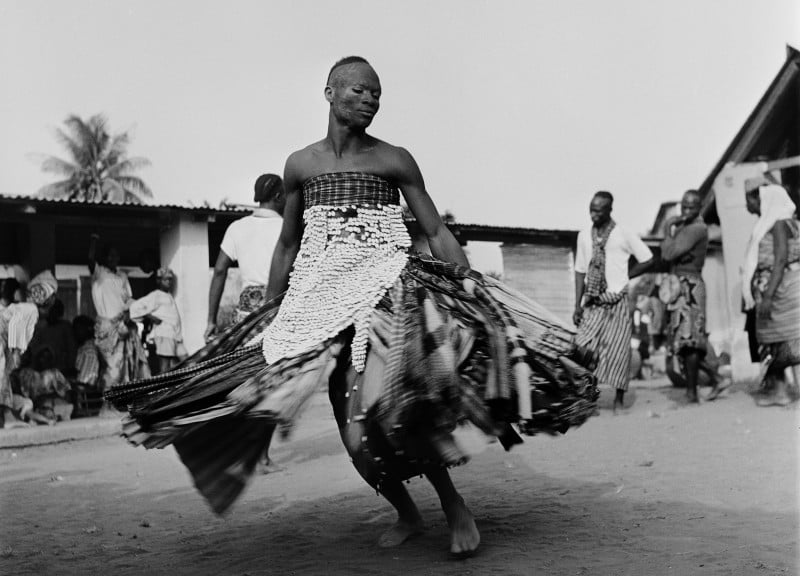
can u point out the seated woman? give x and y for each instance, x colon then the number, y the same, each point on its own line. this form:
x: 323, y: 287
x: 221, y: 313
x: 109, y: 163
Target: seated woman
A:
x: 45, y: 385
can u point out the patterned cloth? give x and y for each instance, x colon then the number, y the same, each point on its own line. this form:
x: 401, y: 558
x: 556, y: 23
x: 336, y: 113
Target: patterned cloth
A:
x: 781, y: 355
x: 121, y: 350
x: 5, y: 358
x: 687, y: 317
x: 87, y: 364
x: 36, y: 384
x: 596, y: 283
x: 784, y: 321
x: 446, y: 347
x: 606, y: 329
x: 251, y: 299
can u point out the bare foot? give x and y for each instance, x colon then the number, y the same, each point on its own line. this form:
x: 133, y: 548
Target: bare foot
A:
x: 268, y: 466
x: 399, y: 533
x: 464, y: 535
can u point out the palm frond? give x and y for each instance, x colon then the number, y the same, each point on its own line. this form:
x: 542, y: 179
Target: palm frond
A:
x: 81, y: 153
x: 119, y: 144
x: 88, y: 134
x: 131, y: 198
x: 56, y: 190
x: 112, y: 191
x: 55, y: 165
x: 126, y: 166
x: 135, y: 186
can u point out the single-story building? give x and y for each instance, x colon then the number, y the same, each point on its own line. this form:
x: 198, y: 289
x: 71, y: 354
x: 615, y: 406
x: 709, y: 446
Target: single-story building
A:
x: 38, y: 233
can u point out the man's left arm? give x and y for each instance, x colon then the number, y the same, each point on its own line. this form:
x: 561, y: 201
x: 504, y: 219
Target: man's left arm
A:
x: 443, y: 244
x: 642, y: 254
x: 682, y: 242
x: 215, y: 291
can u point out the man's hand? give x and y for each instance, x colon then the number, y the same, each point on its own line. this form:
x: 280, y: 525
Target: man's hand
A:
x: 211, y: 330
x: 577, y: 316
x: 673, y: 223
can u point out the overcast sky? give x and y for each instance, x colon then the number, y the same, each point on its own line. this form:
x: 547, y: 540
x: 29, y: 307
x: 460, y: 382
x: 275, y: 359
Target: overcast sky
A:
x: 516, y: 111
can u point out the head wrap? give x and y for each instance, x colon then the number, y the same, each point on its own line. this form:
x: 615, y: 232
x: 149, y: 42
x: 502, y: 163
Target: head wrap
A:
x: 165, y: 273
x: 267, y: 187
x: 775, y: 205
x: 42, y: 289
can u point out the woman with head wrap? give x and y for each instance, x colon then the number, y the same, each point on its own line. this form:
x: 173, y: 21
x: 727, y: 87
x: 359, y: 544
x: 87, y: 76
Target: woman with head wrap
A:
x: 160, y: 308
x: 17, y: 325
x: 771, y: 287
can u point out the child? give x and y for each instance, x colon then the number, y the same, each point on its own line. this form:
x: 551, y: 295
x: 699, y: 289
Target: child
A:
x: 88, y: 367
x: 87, y: 359
x: 159, y: 306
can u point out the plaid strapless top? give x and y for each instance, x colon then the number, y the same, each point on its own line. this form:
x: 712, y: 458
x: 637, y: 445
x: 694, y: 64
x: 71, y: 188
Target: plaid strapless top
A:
x: 354, y: 246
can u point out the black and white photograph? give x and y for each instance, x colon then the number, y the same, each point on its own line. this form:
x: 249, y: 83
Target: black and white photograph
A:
x: 446, y: 287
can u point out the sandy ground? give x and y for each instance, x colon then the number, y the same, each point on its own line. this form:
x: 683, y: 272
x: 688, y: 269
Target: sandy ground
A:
x: 661, y: 489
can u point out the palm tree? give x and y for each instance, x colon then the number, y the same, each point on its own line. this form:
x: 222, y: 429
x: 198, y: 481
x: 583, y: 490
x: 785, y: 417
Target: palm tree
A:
x: 99, y: 168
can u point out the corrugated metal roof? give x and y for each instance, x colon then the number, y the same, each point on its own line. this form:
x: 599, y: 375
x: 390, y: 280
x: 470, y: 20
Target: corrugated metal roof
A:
x: 185, y: 208
x: 485, y: 232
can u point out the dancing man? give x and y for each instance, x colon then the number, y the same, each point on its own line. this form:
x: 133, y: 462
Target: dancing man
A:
x: 602, y: 312
x: 413, y: 348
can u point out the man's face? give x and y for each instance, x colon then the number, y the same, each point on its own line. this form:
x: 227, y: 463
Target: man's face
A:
x: 112, y: 258
x: 690, y: 207
x: 599, y: 210
x: 354, y: 94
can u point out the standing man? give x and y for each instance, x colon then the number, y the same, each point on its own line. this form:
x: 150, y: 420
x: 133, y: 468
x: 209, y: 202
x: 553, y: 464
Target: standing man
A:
x: 148, y: 263
x: 684, y: 249
x: 250, y: 241
x: 602, y: 312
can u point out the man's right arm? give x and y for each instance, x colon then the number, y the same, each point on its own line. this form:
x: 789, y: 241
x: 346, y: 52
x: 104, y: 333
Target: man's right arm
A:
x: 581, y: 264
x: 215, y: 292
x: 92, y: 257
x: 291, y: 232
x: 580, y: 284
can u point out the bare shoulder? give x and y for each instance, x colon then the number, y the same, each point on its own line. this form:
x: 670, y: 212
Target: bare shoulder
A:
x: 398, y: 163
x: 301, y: 164
x: 395, y: 155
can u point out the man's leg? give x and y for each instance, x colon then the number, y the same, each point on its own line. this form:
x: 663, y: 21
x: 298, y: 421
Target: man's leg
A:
x: 691, y: 363
x: 619, y: 399
x: 266, y: 465
x: 464, y: 535
x: 409, y: 521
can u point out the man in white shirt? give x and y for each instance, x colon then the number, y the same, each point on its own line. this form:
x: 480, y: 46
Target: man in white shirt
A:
x: 250, y: 242
x: 602, y: 312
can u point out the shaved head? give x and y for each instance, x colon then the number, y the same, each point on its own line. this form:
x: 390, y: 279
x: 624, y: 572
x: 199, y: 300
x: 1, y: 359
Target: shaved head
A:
x: 334, y: 76
x: 690, y: 205
x: 693, y: 194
